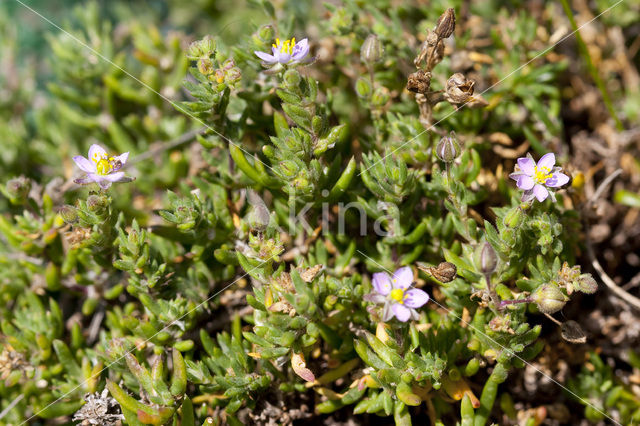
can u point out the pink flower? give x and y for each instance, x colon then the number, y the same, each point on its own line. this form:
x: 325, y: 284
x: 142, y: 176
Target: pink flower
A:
x: 101, y: 168
x: 397, y: 295
x: 287, y: 53
x: 536, y: 178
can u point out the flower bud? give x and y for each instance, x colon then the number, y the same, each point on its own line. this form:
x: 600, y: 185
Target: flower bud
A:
x: 514, y: 218
x: 549, y: 298
x: 292, y: 78
x: 201, y: 48
x: 486, y: 259
x: 371, y: 50
x: 266, y: 33
x: 459, y: 89
x: 363, y: 88
x: 380, y: 97
x: 446, y: 24
x: 18, y: 188
x: 448, y: 149
x: 586, y: 284
x: 96, y: 203
x: 419, y: 82
x: 69, y: 214
x: 205, y: 66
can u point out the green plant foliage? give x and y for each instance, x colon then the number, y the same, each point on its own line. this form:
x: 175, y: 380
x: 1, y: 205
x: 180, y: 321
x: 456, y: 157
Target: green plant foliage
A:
x: 232, y: 268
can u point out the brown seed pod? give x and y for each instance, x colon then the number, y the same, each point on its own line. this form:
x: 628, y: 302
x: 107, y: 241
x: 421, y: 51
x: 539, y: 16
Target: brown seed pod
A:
x: 445, y: 272
x: 446, y: 24
x: 459, y: 89
x: 419, y: 82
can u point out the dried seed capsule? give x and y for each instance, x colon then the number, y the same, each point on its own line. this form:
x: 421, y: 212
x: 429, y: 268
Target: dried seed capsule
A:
x: 371, y: 50
x: 419, y: 82
x: 448, y: 149
x: 459, y: 89
x: 445, y: 272
x: 549, y: 298
x: 446, y: 24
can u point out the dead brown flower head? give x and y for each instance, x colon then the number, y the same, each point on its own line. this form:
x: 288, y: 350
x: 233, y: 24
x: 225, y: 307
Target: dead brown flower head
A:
x: 459, y: 89
x: 446, y: 24
x: 419, y: 82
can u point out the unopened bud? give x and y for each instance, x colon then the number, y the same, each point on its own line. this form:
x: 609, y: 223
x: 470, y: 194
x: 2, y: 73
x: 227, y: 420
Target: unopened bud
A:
x: 201, y: 48
x: 380, y: 97
x: 363, y: 88
x: 266, y: 33
x: 96, y: 203
x: 586, y: 284
x: 514, y: 218
x: 18, y: 188
x: 448, y: 149
x: 486, y: 259
x: 446, y: 24
x: 205, y: 66
x: 419, y: 82
x: 292, y: 78
x: 68, y: 214
x: 459, y: 89
x: 371, y: 50
x: 549, y: 298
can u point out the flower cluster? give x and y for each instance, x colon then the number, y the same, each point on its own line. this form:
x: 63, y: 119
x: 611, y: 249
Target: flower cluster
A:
x: 286, y: 53
x: 397, y: 295
x: 101, y: 168
x: 535, y: 179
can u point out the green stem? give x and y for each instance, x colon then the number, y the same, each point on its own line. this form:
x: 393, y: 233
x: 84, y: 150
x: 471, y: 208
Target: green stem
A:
x: 592, y: 69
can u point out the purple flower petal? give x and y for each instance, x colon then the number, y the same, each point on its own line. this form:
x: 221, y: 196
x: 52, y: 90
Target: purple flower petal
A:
x: 557, y: 179
x: 374, y: 297
x: 525, y: 182
x: 122, y: 158
x: 387, y: 312
x: 527, y: 165
x: 540, y: 192
x: 402, y: 278
x: 527, y: 196
x: 84, y: 164
x: 401, y: 312
x: 547, y: 161
x: 266, y: 57
x: 96, y: 152
x: 300, y: 50
x: 84, y: 180
x: 382, y: 283
x: 113, y: 177
x: 283, y: 57
x: 104, y: 184
x: 415, y: 298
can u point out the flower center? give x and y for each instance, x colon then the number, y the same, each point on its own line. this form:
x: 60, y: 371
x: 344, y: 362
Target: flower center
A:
x: 397, y: 294
x: 286, y: 47
x: 541, y: 174
x: 106, y: 165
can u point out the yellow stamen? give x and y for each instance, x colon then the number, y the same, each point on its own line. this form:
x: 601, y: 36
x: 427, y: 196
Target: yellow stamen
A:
x: 103, y: 167
x: 397, y: 294
x: 542, y: 174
